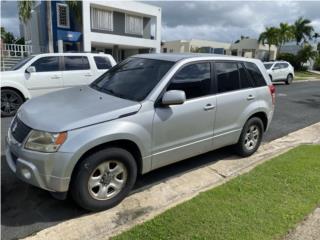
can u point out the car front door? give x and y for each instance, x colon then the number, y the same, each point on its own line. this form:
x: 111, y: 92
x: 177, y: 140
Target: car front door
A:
x: 234, y: 94
x: 276, y: 72
x: 47, y: 76
x: 185, y: 130
x: 76, y: 71
x: 284, y: 70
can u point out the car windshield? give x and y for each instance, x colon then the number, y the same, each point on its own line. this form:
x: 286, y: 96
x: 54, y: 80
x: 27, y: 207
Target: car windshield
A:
x: 268, y: 65
x: 133, y: 78
x: 21, y: 63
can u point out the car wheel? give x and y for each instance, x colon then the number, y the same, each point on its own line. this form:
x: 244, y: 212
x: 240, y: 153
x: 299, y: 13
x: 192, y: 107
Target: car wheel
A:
x: 250, y: 137
x: 104, y: 179
x: 11, y: 100
x: 289, y: 79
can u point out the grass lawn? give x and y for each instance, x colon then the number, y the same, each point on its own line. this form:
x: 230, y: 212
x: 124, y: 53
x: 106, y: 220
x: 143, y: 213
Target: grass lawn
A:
x: 305, y: 75
x: 262, y: 204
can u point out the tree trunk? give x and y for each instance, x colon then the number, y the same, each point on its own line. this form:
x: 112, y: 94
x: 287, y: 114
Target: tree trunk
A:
x: 49, y: 27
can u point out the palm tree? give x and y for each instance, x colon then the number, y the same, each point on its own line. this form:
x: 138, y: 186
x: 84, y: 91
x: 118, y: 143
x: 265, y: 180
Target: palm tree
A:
x: 302, y: 30
x: 285, y: 34
x: 269, y: 36
x: 25, y: 8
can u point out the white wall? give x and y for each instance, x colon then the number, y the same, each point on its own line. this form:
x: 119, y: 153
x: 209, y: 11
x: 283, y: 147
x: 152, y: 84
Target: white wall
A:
x: 130, y: 7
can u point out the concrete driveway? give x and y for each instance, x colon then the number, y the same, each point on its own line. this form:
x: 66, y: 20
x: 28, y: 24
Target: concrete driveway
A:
x: 26, y: 209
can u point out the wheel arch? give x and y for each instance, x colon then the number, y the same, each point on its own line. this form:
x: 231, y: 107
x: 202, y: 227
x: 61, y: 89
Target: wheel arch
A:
x: 262, y: 116
x: 128, y: 145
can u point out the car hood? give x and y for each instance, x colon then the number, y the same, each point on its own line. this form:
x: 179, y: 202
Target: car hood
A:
x: 74, y: 108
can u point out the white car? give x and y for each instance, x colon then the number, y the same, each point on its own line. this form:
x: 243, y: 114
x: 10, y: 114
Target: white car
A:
x: 280, y: 71
x: 44, y: 73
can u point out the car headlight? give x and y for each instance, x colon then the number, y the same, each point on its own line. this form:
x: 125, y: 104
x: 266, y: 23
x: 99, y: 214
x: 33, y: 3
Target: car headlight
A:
x: 45, y: 141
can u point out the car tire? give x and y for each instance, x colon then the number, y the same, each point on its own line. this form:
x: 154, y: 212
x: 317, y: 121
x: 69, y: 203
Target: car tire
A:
x: 11, y: 100
x: 92, y: 180
x: 289, y: 79
x: 250, y: 138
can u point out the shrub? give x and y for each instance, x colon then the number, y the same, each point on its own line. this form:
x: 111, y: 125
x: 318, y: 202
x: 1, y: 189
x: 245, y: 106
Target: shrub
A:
x: 291, y: 58
x: 316, y: 65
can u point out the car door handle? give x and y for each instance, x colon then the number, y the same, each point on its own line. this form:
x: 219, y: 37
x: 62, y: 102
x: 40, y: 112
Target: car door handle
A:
x: 88, y: 75
x: 250, y: 97
x: 208, y: 107
x: 55, y: 77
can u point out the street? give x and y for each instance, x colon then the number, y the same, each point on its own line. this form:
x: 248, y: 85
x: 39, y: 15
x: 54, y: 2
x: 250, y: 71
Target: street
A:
x: 27, y: 209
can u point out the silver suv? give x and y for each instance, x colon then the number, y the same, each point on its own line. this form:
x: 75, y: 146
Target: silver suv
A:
x: 149, y: 111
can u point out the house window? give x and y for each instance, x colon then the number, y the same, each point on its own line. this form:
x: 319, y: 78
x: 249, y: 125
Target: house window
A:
x: 63, y: 15
x: 101, y: 19
x: 134, y: 24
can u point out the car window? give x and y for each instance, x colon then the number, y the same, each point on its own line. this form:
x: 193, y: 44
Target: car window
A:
x: 255, y: 74
x: 277, y: 66
x: 227, y: 76
x: 102, y: 62
x: 284, y: 65
x: 47, y: 64
x: 245, y: 81
x: 132, y: 79
x: 72, y: 63
x: 21, y: 63
x: 193, y: 79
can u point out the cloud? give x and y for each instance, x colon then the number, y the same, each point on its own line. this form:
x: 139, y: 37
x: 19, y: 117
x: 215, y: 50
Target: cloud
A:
x: 9, y: 17
x: 227, y: 21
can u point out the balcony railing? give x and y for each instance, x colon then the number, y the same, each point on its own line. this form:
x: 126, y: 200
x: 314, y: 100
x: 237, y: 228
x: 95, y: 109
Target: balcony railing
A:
x: 16, y: 50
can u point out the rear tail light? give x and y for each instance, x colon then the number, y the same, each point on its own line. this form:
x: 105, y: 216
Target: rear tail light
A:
x: 273, y: 93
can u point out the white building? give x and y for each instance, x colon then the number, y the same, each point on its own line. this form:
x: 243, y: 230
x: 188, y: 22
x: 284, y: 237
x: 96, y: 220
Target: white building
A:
x: 250, y: 48
x: 121, y: 28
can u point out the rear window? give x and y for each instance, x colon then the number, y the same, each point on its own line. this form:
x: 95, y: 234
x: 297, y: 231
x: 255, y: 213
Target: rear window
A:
x: 255, y: 74
x: 102, y: 62
x: 227, y: 76
x: 72, y: 63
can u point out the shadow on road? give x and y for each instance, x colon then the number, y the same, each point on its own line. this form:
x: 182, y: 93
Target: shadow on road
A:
x: 24, y: 205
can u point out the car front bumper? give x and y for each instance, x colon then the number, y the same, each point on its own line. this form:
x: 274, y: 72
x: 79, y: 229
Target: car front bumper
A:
x: 43, y: 170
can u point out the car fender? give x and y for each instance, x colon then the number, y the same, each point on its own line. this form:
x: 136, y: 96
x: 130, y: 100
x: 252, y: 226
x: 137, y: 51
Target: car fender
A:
x: 18, y: 86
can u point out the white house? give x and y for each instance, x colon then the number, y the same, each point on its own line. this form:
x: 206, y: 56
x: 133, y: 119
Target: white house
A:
x: 121, y: 28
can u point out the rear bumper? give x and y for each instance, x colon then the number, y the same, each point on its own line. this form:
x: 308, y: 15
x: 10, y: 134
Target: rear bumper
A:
x: 36, y: 168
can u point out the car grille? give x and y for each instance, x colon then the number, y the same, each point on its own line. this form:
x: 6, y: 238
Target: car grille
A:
x: 19, y: 130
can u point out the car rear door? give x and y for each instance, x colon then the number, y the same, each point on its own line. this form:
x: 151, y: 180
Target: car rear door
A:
x: 277, y: 72
x: 234, y: 93
x: 46, y: 78
x: 185, y: 130
x: 76, y: 71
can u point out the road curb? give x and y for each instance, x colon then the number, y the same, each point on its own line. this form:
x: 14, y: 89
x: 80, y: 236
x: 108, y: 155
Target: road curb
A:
x: 306, y: 80
x: 144, y: 205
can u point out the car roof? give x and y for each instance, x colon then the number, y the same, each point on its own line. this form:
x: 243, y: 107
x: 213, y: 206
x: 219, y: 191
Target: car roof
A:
x: 175, y: 57
x: 71, y: 54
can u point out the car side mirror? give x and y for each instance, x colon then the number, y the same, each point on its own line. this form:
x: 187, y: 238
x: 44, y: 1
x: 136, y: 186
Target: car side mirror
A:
x: 31, y: 69
x: 173, y: 97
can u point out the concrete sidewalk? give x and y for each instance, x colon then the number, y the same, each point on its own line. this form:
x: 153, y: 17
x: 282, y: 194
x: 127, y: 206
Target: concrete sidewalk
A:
x: 146, y: 204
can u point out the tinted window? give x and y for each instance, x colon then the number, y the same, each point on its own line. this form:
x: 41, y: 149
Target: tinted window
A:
x: 76, y: 63
x: 193, y: 79
x: 21, y: 63
x: 47, y: 64
x: 284, y: 65
x: 102, y: 62
x: 277, y: 66
x: 227, y: 76
x: 245, y: 81
x: 255, y: 74
x: 132, y: 79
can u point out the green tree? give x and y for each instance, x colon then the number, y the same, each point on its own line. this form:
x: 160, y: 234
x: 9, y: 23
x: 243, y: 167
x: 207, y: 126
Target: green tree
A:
x: 25, y: 8
x: 7, y: 37
x: 285, y: 34
x: 302, y: 30
x: 305, y: 54
x: 269, y: 36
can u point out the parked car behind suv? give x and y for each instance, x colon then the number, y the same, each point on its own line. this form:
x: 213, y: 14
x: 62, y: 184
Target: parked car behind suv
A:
x: 44, y: 73
x: 280, y: 71
x: 149, y: 111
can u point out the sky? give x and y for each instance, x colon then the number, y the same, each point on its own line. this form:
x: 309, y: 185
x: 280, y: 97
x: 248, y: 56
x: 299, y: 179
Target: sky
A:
x: 222, y: 21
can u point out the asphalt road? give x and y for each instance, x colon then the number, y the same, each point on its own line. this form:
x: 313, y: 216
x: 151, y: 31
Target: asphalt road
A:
x: 26, y: 209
